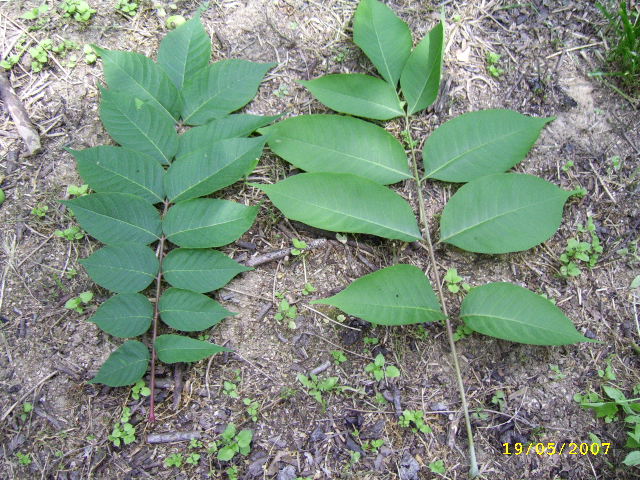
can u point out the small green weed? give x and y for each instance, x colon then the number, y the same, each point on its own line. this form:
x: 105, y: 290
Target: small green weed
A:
x: 437, y: 466
x: 27, y: 408
x: 140, y: 389
x: 338, y: 356
x: 24, y: 458
x: 70, y: 234
x: 462, y: 332
x: 607, y: 373
x: 371, y: 340
x: 252, y: 407
x: 499, y: 399
x: 308, y: 288
x: 316, y: 387
x: 173, y: 460
x: 373, y: 445
x: 232, y: 472
x: 414, y: 419
x: 78, y: 190
x: 288, y: 312
x: 78, y: 303
x: 379, y: 370
x: 577, y: 251
x: 568, y: 165
x: 90, y: 56
x: 493, y: 60
x: 233, y: 442
x: 79, y: 10
x: 558, y: 373
x: 193, y: 458
x: 36, y: 12
x: 298, y: 247
x: 40, y: 55
x: 127, y: 7
x: 230, y: 389
x: 454, y: 281
x: 123, y: 431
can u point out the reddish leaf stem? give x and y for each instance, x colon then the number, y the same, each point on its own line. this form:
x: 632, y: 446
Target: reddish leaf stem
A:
x: 156, y: 314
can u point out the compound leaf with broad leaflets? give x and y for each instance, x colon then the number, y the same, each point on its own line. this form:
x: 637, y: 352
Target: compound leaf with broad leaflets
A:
x: 207, y: 171
x: 420, y: 79
x: 207, y: 222
x: 124, y: 315
x: 397, y: 295
x: 357, y: 94
x: 199, y: 270
x: 115, y: 169
x: 480, y: 143
x: 138, y: 125
x: 198, y: 139
x: 185, y: 51
x: 117, y: 217
x: 344, y: 203
x: 126, y: 268
x: 383, y: 37
x: 190, y: 311
x: 221, y: 88
x: 176, y: 348
x: 337, y: 144
x: 511, y: 312
x: 502, y: 213
x: 141, y: 78
x: 125, y: 366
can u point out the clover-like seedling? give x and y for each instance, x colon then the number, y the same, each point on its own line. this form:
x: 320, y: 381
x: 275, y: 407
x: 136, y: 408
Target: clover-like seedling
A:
x: 78, y: 303
x: 379, y: 370
x: 454, y: 281
x: 234, y: 442
x: 414, y: 419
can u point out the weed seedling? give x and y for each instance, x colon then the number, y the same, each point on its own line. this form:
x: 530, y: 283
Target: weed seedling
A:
x: 252, y: 407
x: 373, y: 445
x: 462, y: 332
x: 454, y: 281
x: 193, y: 458
x: 499, y: 400
x: 123, y: 431
x: 40, y: 55
x: 90, y: 56
x: 232, y: 472
x: 378, y: 369
x: 24, y: 458
x: 298, y: 247
x: 493, y: 61
x: 437, y: 466
x: 308, y: 288
x: 78, y: 190
x: 78, y: 303
x: 126, y: 7
x: 558, y: 373
x: 338, y: 356
x: 607, y: 373
x: 567, y: 166
x: 140, y: 389
x: 79, y: 10
x: 414, y: 419
x: 577, y: 251
x: 173, y: 460
x: 288, y: 312
x: 316, y: 387
x: 233, y: 443
x: 70, y: 234
x: 36, y: 12
x: 230, y: 389
x: 27, y: 408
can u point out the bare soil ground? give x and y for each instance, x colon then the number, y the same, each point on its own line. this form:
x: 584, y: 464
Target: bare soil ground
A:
x: 518, y: 393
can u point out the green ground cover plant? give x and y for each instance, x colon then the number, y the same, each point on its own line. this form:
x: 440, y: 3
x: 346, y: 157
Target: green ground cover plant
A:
x: 151, y: 207
x: 349, y: 163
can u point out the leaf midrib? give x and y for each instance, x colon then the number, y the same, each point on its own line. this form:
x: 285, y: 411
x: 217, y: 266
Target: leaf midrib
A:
x: 369, y: 100
x: 129, y: 179
x: 508, y: 212
x: 99, y: 214
x: 517, y: 322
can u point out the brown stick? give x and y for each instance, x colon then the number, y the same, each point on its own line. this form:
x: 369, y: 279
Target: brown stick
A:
x: 171, y: 437
x: 278, y: 254
x: 20, y: 117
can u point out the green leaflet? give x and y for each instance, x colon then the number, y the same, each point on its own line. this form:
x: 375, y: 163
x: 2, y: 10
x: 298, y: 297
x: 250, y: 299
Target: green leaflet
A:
x: 207, y: 171
x: 139, y: 126
x: 480, y: 143
x: 117, y: 217
x: 357, y: 94
x: 190, y: 311
x: 125, y: 366
x: 513, y: 313
x: 125, y: 315
x: 126, y: 268
x: 199, y: 270
x: 420, y: 79
x: 502, y: 213
x: 176, y: 348
x: 115, y: 169
x: 397, y: 295
x: 207, y: 222
x: 337, y: 144
x: 344, y: 203
x: 383, y: 37
x: 199, y: 139
x: 141, y: 78
x: 221, y: 88
x: 185, y: 51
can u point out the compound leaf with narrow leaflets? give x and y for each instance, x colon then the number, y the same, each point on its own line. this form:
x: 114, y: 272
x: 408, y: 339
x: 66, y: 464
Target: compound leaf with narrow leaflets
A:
x: 125, y: 366
x: 117, y: 217
x: 344, y: 203
x: 420, y: 79
x: 115, y: 169
x: 480, y: 143
x: 511, y: 312
x: 141, y: 78
x: 502, y: 213
x: 383, y: 37
x: 207, y: 222
x: 199, y: 270
x: 207, y: 171
x: 357, y: 94
x: 237, y: 125
x: 139, y: 126
x: 190, y: 311
x: 185, y: 51
x: 397, y: 295
x: 337, y: 144
x: 126, y: 268
x: 221, y: 88
x: 176, y: 348
x: 124, y: 315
